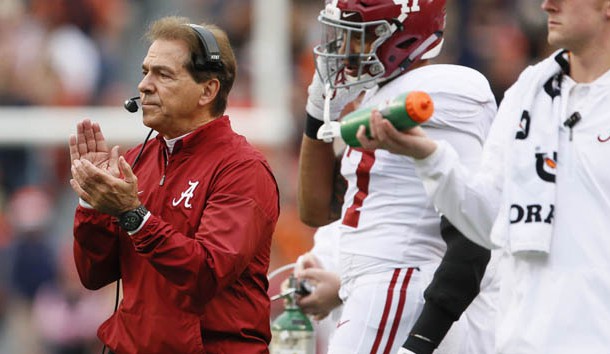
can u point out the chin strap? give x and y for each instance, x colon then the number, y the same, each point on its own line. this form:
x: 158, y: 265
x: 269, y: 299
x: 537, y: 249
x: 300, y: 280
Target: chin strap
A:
x: 429, y: 54
x: 330, y: 129
x: 327, y: 96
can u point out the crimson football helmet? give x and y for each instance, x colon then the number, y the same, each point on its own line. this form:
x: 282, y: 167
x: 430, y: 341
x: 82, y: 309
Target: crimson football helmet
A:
x: 371, y: 41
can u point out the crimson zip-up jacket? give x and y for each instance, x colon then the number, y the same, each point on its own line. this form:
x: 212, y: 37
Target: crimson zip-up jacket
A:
x: 194, y: 277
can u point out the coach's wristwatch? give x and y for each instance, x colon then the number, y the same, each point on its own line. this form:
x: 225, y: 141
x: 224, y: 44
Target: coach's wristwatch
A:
x: 132, y: 219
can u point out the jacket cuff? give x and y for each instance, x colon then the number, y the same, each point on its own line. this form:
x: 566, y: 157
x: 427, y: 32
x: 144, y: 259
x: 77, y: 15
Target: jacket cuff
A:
x: 84, y: 204
x: 433, y: 160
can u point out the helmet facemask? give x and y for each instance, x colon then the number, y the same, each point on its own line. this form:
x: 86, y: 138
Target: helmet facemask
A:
x: 337, y: 63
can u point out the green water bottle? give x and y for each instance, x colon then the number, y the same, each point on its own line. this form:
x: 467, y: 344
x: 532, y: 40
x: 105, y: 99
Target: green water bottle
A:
x: 404, y: 111
x: 292, y: 331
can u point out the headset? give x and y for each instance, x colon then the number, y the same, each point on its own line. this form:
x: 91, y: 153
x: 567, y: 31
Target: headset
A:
x: 210, y: 60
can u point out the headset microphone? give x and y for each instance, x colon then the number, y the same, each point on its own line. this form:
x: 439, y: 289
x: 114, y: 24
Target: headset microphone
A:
x: 131, y: 105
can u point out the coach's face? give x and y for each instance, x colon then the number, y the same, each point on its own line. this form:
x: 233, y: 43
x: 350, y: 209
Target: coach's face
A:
x: 170, y: 97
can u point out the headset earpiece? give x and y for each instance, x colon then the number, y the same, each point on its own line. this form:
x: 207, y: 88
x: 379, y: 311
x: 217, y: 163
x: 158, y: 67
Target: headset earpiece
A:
x: 211, y: 52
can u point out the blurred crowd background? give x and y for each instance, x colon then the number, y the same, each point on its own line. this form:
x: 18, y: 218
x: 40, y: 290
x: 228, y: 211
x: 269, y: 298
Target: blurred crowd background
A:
x: 65, y: 53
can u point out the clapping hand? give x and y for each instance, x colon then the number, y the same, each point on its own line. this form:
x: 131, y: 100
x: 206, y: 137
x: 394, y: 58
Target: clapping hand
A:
x: 89, y: 144
x: 99, y: 176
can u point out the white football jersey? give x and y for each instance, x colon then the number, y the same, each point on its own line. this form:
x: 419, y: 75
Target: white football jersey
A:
x: 387, y: 219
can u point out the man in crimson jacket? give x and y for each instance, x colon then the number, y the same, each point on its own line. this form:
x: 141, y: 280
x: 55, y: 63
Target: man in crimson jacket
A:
x: 185, y: 220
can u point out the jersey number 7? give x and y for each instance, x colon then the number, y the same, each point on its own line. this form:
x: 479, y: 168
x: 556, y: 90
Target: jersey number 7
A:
x: 363, y: 178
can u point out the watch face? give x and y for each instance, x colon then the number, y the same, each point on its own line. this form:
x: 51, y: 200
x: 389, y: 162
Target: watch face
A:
x: 132, y: 221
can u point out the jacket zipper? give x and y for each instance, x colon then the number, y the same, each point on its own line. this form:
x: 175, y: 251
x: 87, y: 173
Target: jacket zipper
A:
x: 166, y: 162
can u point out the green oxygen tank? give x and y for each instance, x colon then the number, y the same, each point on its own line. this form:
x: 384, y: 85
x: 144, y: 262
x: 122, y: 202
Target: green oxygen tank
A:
x: 292, y: 331
x: 404, y: 111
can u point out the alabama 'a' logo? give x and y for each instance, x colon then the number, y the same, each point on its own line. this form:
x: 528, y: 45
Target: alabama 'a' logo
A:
x: 546, y: 166
x: 524, y: 126
x: 187, y: 195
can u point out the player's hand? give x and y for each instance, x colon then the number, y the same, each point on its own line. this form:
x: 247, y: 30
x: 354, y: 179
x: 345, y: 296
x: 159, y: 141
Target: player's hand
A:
x: 340, y: 97
x: 89, y: 144
x: 412, y: 142
x: 305, y: 261
x: 325, y: 297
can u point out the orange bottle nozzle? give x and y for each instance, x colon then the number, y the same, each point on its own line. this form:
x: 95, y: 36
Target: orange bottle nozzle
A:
x: 419, y: 106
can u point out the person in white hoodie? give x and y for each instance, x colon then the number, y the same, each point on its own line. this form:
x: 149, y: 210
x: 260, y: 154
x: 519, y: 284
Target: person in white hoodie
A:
x: 542, y: 192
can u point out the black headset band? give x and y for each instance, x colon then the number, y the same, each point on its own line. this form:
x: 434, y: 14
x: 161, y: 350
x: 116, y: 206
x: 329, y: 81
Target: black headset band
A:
x: 211, y: 52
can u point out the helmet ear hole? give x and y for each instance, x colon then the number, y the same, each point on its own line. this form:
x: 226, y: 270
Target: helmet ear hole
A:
x: 406, y: 44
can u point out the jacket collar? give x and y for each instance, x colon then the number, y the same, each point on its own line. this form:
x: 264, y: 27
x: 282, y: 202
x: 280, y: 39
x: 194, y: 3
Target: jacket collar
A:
x: 213, y: 131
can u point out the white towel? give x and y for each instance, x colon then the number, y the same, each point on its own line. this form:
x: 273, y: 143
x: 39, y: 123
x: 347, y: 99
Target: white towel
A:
x: 531, y: 184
